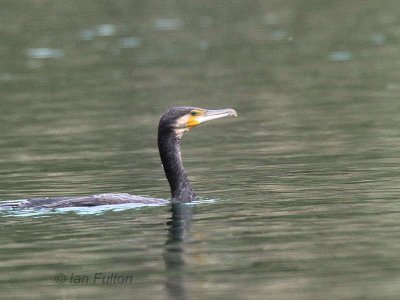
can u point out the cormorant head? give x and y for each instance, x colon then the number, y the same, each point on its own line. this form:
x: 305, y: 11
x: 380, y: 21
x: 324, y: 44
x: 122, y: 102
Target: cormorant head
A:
x: 180, y: 119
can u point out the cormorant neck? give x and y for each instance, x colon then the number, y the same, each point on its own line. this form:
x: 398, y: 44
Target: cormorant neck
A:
x: 170, y: 153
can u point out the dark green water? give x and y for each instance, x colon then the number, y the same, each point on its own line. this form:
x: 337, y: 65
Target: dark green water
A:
x: 303, y: 185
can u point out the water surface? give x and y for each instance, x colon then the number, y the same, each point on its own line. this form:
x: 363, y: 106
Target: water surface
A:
x: 303, y: 186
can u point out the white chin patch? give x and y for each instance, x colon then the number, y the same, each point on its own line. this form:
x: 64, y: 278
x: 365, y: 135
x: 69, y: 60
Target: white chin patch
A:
x: 180, y: 131
x: 180, y: 125
x: 182, y: 121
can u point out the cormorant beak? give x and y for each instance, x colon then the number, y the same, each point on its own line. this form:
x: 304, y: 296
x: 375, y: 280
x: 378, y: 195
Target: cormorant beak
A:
x: 205, y: 115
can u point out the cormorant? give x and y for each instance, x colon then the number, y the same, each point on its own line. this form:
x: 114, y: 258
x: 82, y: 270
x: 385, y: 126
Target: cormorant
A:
x: 173, y: 124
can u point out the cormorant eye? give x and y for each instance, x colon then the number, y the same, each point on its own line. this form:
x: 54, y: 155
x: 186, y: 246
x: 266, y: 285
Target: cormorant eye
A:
x: 193, y: 113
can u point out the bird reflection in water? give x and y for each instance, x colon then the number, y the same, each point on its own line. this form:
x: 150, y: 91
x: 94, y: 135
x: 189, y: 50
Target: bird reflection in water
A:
x: 178, y: 235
